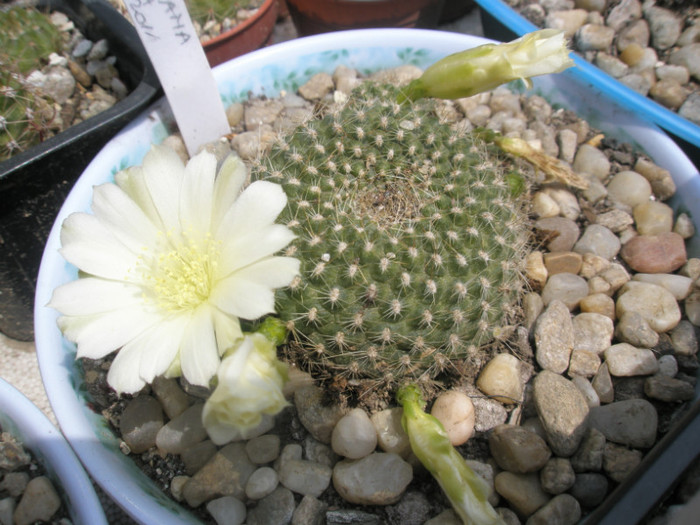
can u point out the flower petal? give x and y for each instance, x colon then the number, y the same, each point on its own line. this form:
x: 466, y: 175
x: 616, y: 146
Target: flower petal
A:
x: 91, y: 247
x: 123, y: 375
x: 159, y: 347
x: 120, y: 214
x: 133, y: 183
x: 248, y: 293
x: 197, y: 193
x: 199, y: 355
x: 91, y: 295
x: 226, y: 328
x: 98, y: 335
x: 246, y: 249
x: 258, y: 206
x: 227, y: 187
x: 163, y: 172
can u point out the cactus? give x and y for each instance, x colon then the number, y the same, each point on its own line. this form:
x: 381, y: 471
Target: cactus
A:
x: 410, y: 233
x: 27, y: 38
x: 205, y: 10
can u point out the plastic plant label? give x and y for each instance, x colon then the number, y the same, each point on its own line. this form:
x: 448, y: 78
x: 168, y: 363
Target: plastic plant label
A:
x: 167, y: 33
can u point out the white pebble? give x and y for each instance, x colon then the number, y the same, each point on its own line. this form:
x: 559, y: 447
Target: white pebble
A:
x: 455, y: 411
x: 354, y: 435
x: 261, y: 483
x: 629, y: 188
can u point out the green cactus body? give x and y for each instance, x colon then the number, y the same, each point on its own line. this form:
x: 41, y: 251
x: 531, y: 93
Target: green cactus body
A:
x: 27, y: 38
x: 410, y: 235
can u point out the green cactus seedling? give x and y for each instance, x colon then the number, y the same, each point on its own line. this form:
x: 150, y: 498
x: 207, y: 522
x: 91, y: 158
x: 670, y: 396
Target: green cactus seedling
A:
x: 410, y: 234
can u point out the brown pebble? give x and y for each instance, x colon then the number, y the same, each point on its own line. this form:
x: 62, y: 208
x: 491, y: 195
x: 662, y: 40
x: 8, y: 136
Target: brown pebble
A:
x: 558, y: 233
x: 663, y: 253
x: 563, y: 262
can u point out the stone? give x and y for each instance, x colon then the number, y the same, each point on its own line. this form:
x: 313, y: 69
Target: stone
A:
x: 535, y: 270
x: 683, y: 339
x: 560, y: 233
x: 562, y: 509
x: 593, y: 332
x: 568, y: 21
x: 319, y: 452
x: 687, y: 56
x: 603, y: 385
x: 568, y: 202
x: 182, y: 432
x: 566, y: 288
x: 310, y: 511
x: 653, y: 218
x: 615, y: 220
x: 625, y: 360
x: 412, y: 509
x: 663, y: 253
x: 39, y: 502
x: 196, y: 456
x: 692, y: 307
x: 684, y: 226
x: 594, y: 37
x: 227, y: 510
x: 554, y: 338
x: 522, y: 491
x: 354, y: 435
x: 623, y: 13
x: 668, y: 366
x: 632, y: 422
x: 619, y: 462
x: 225, y: 474
x: 654, y: 303
x: 263, y: 449
x: 634, y: 329
x: 305, y: 477
x: 446, y: 517
x: 668, y: 389
x: 563, y: 411
x: 391, y: 437
x: 583, y: 363
x: 598, y: 240
x: 377, y: 479
x: 590, y: 489
x: 317, y: 417
x: 589, y: 455
x: 277, y: 507
x: 598, y: 303
x: 557, y: 476
x: 586, y: 388
x: 455, y: 410
x: 172, y: 398
x: 261, y: 483
x: 318, y: 86
x: 562, y: 262
x: 517, y: 449
x: 662, y: 183
x: 591, y: 160
x: 500, y: 379
x: 140, y: 423
x: 679, y: 285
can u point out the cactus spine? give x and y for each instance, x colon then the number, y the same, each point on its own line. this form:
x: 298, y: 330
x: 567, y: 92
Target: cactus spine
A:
x: 410, y: 234
x: 27, y: 38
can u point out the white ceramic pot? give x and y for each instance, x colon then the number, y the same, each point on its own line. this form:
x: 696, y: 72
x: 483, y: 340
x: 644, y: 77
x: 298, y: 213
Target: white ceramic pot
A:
x: 267, y: 71
x: 26, y: 423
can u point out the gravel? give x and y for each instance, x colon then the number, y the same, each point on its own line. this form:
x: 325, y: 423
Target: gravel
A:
x: 601, y: 365
x: 646, y: 45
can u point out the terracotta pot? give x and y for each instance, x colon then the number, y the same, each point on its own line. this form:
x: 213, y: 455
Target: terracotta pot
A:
x: 322, y: 16
x: 247, y: 36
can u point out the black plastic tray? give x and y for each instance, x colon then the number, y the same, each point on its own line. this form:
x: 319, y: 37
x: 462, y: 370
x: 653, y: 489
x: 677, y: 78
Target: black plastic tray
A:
x: 34, y: 183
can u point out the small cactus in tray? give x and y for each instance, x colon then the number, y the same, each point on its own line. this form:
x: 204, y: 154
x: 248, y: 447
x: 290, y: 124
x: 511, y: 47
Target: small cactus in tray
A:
x: 410, y: 233
x: 27, y: 38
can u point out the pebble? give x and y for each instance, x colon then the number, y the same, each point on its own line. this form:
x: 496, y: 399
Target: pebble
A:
x: 391, y: 437
x: 629, y: 188
x: 668, y: 366
x: 586, y: 388
x: 566, y: 288
x: 632, y: 422
x: 227, y: 510
x: 592, y: 161
x: 277, y: 507
x: 684, y: 340
x: 38, y: 503
x: 653, y: 218
x: 589, y: 455
x: 590, y: 489
x: 522, y: 491
x: 561, y: 233
x: 562, y: 509
x: 557, y: 476
x: 261, y: 483
x: 679, y: 285
x: 554, y: 337
x: 562, y: 410
x: 412, y: 509
x: 562, y: 262
x: 625, y: 360
x: 263, y: 449
x: 182, y: 432
x: 500, y: 379
x: 654, y: 303
x: 455, y: 410
x: 661, y: 253
x: 377, y: 479
x: 305, y: 477
x: 517, y: 449
x: 593, y: 332
x: 634, y: 329
x: 598, y: 240
x: 668, y: 389
x: 619, y: 461
x: 354, y: 435
x: 603, y: 385
x: 318, y: 418
x: 310, y: 511
x: 140, y: 423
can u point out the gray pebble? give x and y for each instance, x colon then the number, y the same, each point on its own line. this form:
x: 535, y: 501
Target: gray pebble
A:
x: 263, y: 449
x: 182, y: 432
x: 557, y: 475
x: 554, y: 337
x: 591, y: 160
x: 632, y: 422
x: 633, y: 328
x: 567, y: 288
x: 619, y: 461
x: 560, y: 510
x: 99, y: 50
x: 561, y: 233
x: 140, y: 423
x: 590, y: 489
x: 377, y: 479
x: 684, y: 339
x: 598, y: 240
x: 589, y: 455
x: 625, y: 360
x: 305, y: 477
x: 517, y: 449
x: 412, y: 509
x: 668, y: 389
x: 592, y: 332
x: 318, y: 418
x: 277, y: 507
x: 227, y: 510
x: 261, y: 483
x: 310, y: 511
